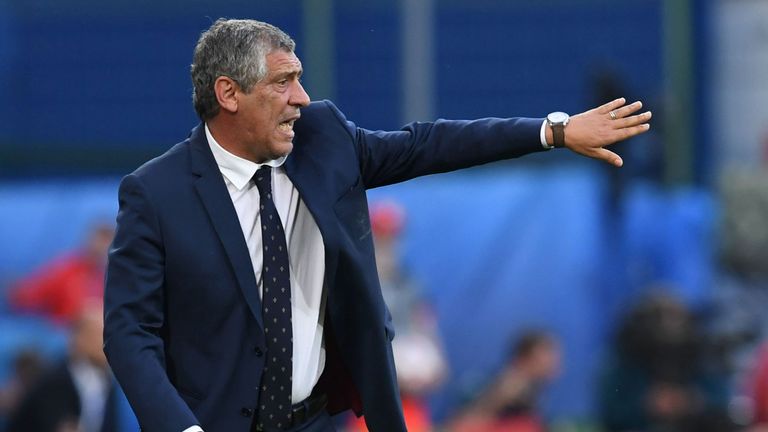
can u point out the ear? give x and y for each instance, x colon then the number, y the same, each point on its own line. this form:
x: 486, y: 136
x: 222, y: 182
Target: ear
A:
x: 225, y: 89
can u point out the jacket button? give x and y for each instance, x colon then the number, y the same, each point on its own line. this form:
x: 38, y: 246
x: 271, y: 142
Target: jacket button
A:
x: 246, y: 412
x: 259, y: 353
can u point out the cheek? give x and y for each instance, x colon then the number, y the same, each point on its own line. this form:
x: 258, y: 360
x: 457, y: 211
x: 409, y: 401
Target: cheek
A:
x: 277, y: 103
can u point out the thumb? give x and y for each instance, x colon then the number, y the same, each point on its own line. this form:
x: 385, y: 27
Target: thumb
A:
x: 608, y: 156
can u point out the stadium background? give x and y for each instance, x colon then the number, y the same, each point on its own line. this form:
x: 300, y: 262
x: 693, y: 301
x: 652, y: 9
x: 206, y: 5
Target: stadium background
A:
x: 91, y: 89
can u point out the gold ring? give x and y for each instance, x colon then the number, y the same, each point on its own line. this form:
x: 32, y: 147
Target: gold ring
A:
x: 613, y: 115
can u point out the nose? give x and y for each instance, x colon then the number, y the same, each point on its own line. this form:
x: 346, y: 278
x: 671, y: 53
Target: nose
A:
x: 299, y: 96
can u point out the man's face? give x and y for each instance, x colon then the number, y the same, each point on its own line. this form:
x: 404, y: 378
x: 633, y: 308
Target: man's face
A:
x: 268, y: 112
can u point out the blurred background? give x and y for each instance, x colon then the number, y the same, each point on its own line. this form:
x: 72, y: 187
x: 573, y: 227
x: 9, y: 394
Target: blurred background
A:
x: 546, y: 293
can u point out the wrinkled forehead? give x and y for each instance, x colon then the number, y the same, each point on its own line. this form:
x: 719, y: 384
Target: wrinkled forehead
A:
x: 283, y: 62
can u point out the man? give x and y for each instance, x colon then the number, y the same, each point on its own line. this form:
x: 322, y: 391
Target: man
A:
x: 77, y: 395
x: 509, y: 401
x: 241, y: 288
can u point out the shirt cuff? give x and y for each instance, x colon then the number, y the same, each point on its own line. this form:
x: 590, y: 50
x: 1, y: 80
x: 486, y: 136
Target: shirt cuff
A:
x: 543, y: 135
x: 194, y: 428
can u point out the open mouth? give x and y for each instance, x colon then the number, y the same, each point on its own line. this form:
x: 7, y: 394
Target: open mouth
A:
x: 286, y: 126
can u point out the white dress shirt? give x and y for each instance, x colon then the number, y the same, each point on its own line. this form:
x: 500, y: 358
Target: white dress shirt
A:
x: 306, y: 254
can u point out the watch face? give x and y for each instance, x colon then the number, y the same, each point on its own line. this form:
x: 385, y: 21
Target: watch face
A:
x: 557, y: 117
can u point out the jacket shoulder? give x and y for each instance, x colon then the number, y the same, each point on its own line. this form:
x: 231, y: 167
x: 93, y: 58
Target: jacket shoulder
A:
x: 173, y: 161
x: 324, y: 114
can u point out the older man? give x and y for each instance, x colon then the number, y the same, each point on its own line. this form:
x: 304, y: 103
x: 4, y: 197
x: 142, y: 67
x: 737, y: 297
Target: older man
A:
x: 241, y: 289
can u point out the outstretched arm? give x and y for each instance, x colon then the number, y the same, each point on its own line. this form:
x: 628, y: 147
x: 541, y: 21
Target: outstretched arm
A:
x: 440, y: 146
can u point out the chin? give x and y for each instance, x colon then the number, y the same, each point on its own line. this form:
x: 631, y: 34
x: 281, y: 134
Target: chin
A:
x: 281, y: 150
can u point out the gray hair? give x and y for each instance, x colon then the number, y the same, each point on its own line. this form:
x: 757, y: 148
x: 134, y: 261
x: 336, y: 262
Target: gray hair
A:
x: 236, y: 49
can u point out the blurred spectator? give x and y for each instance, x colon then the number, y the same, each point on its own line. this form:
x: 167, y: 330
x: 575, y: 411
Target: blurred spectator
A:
x: 60, y: 288
x: 77, y: 395
x: 418, y: 354
x: 659, y: 379
x: 28, y: 364
x: 744, y: 233
x: 508, y: 403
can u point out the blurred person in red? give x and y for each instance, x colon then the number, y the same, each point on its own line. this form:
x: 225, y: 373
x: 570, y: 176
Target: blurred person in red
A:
x: 508, y: 403
x: 418, y: 354
x: 60, y: 288
x: 78, y: 395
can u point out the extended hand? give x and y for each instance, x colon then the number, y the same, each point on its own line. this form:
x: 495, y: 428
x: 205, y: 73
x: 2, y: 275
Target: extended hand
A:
x: 587, y: 133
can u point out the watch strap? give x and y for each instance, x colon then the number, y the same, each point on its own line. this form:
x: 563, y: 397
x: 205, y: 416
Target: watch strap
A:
x: 558, y: 135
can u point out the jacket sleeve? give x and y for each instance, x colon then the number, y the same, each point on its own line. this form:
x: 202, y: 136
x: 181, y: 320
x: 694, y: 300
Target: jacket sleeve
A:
x: 444, y: 145
x: 134, y: 318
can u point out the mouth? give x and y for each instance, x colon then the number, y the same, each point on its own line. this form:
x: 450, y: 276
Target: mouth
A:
x: 286, y: 126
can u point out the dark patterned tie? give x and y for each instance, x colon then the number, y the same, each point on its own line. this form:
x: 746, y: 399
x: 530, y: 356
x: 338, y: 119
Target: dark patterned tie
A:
x: 275, y: 395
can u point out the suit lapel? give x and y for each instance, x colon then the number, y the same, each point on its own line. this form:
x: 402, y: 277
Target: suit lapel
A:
x: 213, y: 193
x: 305, y: 175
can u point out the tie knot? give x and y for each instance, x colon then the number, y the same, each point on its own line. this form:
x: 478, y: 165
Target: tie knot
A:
x: 263, y: 180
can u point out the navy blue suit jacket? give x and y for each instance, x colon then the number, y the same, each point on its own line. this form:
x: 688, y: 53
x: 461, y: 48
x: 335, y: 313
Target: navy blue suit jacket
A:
x: 183, y: 330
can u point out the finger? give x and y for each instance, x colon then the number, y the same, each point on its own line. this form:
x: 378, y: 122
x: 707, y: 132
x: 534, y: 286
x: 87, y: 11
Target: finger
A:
x: 608, y: 156
x: 632, y: 121
x: 612, y: 105
x: 627, y: 109
x: 632, y: 131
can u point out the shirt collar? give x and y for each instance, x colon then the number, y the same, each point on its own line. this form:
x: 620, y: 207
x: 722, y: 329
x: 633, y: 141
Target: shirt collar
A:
x: 237, y: 170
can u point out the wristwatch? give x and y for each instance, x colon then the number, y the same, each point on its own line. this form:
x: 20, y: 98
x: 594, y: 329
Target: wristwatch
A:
x: 557, y: 121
